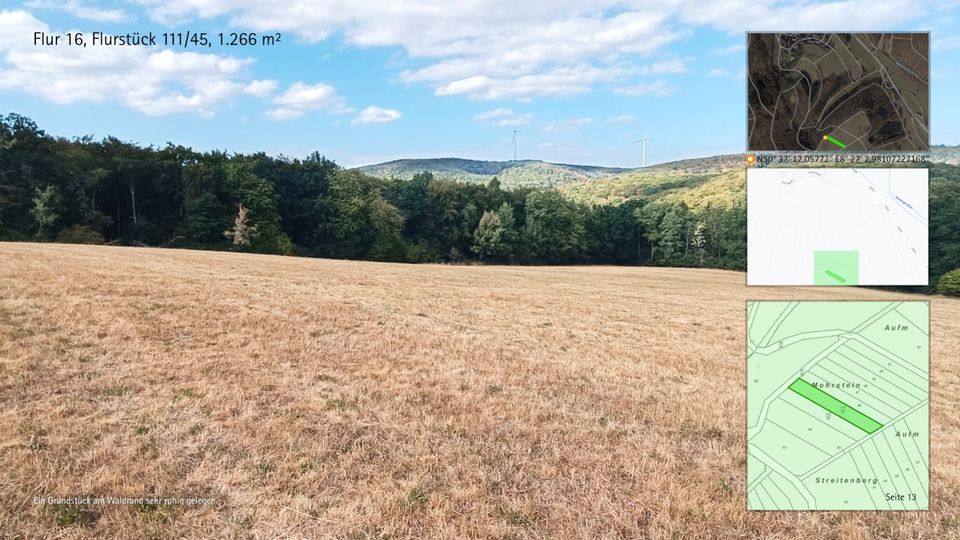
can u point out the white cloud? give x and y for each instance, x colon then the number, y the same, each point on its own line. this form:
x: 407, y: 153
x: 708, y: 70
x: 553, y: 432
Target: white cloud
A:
x: 740, y: 47
x: 486, y: 50
x: 946, y: 43
x: 504, y: 117
x: 482, y: 49
x: 301, y: 97
x: 671, y: 66
x: 81, y: 10
x: 374, y: 114
x: 493, y: 113
x: 657, y: 88
x: 722, y: 73
x: 562, y: 81
x: 282, y: 113
x: 568, y: 124
x: 518, y: 120
x: 620, y: 119
x: 769, y: 15
x: 306, y: 97
x: 503, y: 49
x: 155, y: 82
x: 260, y: 88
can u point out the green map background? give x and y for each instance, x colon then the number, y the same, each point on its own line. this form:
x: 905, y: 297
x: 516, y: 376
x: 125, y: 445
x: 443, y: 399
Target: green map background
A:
x: 872, y: 356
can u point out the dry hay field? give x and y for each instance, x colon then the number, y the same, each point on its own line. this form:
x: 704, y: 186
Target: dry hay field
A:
x: 307, y: 398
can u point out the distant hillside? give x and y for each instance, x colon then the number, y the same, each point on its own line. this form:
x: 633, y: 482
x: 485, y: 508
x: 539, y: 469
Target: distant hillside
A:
x: 945, y: 154
x: 512, y: 174
x: 716, y: 180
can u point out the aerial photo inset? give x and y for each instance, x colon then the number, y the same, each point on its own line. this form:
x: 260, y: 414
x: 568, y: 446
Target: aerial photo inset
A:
x: 838, y: 92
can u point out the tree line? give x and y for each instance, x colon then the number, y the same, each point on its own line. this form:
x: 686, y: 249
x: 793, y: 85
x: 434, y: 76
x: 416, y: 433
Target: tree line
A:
x: 110, y: 191
x: 944, y: 228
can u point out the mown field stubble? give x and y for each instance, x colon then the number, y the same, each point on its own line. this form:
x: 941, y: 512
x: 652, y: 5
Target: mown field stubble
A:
x: 333, y: 399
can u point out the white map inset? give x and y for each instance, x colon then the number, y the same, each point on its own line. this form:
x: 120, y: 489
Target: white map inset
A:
x: 881, y: 214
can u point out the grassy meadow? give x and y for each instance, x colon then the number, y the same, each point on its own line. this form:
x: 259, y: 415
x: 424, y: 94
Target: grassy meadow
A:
x: 312, y: 398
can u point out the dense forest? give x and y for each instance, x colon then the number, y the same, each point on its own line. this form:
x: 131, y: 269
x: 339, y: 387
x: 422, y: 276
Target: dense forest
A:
x: 110, y: 191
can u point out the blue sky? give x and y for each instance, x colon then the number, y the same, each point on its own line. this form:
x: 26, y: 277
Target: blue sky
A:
x: 367, y: 81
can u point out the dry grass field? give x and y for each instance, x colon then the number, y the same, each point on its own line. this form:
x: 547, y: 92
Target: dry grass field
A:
x: 312, y: 398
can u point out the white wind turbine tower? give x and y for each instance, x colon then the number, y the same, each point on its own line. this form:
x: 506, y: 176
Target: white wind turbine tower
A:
x: 514, y: 142
x: 643, y: 153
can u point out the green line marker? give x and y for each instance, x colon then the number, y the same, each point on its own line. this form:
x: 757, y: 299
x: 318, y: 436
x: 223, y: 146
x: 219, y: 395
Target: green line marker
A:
x: 834, y: 141
x: 835, y: 276
x: 836, y: 268
x: 834, y: 406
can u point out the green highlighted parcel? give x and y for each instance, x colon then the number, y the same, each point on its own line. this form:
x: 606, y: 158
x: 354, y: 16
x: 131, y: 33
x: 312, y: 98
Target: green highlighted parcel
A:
x: 835, y: 406
x: 836, y: 267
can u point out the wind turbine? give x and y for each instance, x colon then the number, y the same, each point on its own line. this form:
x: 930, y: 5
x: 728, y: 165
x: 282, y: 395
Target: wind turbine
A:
x: 643, y: 158
x: 514, y: 142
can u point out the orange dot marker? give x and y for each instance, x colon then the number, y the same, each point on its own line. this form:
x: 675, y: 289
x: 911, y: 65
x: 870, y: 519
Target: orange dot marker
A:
x: 751, y: 159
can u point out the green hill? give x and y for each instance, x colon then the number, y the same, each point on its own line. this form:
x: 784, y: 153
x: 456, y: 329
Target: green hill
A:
x: 716, y: 180
x: 512, y: 174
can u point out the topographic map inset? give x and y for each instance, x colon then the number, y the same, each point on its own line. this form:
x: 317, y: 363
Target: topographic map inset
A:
x: 838, y: 91
x: 838, y: 405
